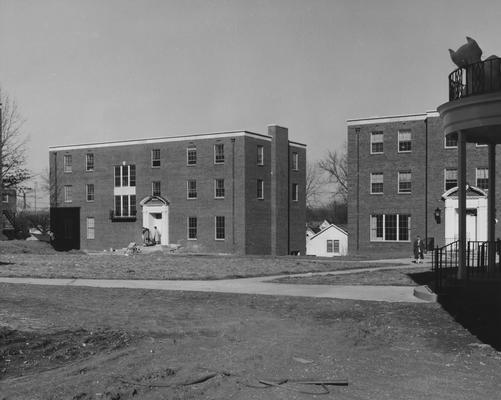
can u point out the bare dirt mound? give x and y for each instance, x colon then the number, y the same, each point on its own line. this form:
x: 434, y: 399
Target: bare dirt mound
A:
x: 25, y: 247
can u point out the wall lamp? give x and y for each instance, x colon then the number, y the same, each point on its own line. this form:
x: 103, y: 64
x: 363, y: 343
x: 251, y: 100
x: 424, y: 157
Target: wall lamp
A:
x: 438, y: 215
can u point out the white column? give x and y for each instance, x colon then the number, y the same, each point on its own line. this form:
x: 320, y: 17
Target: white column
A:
x: 462, y: 204
x: 491, y: 208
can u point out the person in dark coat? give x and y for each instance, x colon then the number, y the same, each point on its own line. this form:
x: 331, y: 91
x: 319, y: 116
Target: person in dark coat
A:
x: 418, y: 250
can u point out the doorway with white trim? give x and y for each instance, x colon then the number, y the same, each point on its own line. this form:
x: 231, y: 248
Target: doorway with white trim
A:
x: 156, y: 214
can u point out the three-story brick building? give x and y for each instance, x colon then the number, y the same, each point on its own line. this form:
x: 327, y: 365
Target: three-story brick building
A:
x: 402, y: 176
x: 230, y: 192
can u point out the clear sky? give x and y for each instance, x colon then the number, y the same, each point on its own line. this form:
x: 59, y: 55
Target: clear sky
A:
x: 96, y: 70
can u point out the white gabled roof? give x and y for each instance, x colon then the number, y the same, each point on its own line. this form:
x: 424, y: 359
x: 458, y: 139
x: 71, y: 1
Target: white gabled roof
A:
x: 329, y: 227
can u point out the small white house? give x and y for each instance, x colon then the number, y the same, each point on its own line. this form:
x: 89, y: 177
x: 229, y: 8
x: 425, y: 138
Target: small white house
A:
x: 330, y: 241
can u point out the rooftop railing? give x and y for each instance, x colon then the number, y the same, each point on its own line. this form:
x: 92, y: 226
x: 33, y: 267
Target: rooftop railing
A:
x: 478, y: 78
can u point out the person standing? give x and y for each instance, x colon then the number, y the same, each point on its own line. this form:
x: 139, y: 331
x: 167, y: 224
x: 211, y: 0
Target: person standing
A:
x: 418, y: 250
x: 156, y: 235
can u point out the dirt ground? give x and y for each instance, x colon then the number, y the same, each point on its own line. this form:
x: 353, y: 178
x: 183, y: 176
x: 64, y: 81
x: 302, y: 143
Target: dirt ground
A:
x: 90, y: 343
x: 36, y: 259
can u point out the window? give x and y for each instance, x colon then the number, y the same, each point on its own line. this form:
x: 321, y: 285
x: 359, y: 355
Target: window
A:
x: 192, y: 189
x: 191, y: 155
x: 220, y: 233
x: 89, y: 162
x: 5, y: 198
x: 125, y: 205
x: 451, y: 141
x: 295, y: 192
x: 390, y: 227
x: 483, y: 178
x: 404, y: 140
x: 336, y: 246
x: 67, y: 163
x: 377, y: 182
x: 192, y: 228
x: 260, y: 155
x: 67, y: 194
x: 333, y: 246
x: 155, y: 188
x: 450, y: 178
x: 155, y: 158
x: 89, y: 189
x: 377, y: 142
x: 125, y: 175
x: 295, y: 161
x: 219, y: 188
x: 260, y: 189
x: 219, y: 153
x: 404, y: 182
x: 330, y: 246
x: 90, y: 228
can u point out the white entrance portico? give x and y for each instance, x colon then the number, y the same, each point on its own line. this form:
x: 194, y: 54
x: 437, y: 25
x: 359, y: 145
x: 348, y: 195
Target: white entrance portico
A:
x: 156, y: 213
x: 476, y: 214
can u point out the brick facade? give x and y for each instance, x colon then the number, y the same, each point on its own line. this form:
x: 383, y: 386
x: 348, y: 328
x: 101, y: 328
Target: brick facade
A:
x: 426, y: 161
x: 248, y: 220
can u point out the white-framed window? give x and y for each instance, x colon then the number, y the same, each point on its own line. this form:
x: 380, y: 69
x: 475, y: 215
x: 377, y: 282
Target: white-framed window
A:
x: 404, y: 141
x: 404, y: 182
x: 219, y: 153
x: 156, y: 189
x: 192, y: 225
x: 155, y: 158
x: 5, y: 198
x: 219, y: 188
x: 482, y: 178
x: 191, y: 155
x: 332, y: 246
x: 68, y: 196
x: 191, y: 187
x: 89, y: 192
x: 295, y: 161
x: 390, y: 227
x: 91, y: 228
x: 89, y: 162
x: 260, y: 189
x: 125, y: 175
x: 125, y: 205
x: 260, y: 154
x: 377, y: 138
x: 295, y: 192
x: 220, y: 228
x: 67, y: 163
x: 451, y: 141
x: 377, y: 183
x: 450, y: 178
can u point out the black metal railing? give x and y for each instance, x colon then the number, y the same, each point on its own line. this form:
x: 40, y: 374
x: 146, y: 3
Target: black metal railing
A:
x: 478, y: 78
x: 445, y: 261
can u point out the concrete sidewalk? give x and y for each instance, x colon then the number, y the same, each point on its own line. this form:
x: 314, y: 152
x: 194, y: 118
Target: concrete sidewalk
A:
x: 259, y: 285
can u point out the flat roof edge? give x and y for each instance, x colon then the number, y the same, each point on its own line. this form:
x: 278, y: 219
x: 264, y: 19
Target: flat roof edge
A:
x: 130, y: 142
x: 391, y: 118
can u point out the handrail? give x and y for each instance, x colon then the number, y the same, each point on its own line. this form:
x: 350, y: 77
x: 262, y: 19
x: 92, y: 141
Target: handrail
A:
x: 474, y: 79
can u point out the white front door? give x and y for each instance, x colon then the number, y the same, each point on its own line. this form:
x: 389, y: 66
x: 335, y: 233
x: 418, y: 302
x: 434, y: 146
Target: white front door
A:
x: 471, y: 225
x: 157, y: 216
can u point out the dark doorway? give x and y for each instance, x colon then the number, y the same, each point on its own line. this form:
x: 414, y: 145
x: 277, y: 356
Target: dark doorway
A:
x: 65, y: 224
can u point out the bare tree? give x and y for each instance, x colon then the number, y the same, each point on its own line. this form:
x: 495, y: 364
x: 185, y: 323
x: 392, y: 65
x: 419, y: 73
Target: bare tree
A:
x: 13, y: 170
x: 313, y: 184
x: 336, y: 166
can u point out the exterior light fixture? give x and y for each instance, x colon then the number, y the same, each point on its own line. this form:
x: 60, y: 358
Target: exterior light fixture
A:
x: 438, y: 215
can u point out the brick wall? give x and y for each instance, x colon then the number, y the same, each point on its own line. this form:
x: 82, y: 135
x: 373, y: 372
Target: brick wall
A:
x: 427, y: 162
x: 247, y: 219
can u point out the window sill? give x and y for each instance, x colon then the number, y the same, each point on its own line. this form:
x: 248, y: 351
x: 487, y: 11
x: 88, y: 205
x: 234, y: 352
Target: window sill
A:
x: 378, y: 193
x: 404, y: 192
x: 123, y: 219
